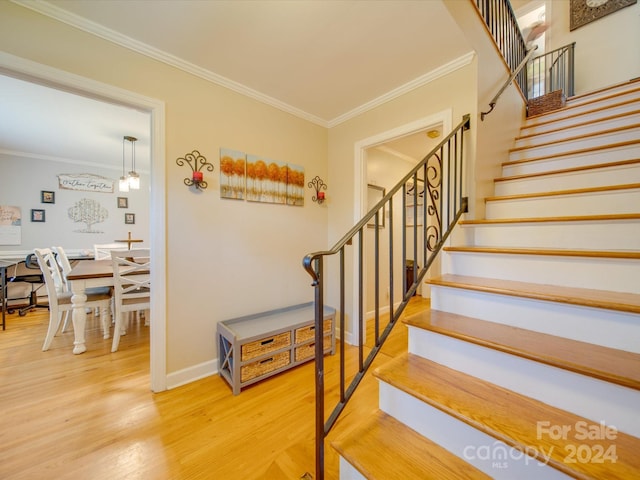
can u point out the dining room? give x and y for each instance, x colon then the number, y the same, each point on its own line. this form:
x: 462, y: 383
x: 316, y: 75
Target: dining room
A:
x: 81, y: 184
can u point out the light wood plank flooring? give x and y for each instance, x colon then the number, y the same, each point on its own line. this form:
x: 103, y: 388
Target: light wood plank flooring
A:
x: 93, y: 416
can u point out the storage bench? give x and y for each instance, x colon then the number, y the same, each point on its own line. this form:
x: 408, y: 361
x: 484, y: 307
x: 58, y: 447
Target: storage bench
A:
x: 255, y: 347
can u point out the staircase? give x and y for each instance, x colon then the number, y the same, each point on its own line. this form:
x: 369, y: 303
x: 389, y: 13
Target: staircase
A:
x: 527, y: 366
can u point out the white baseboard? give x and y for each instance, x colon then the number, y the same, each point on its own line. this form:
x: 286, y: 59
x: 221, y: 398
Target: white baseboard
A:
x: 191, y: 374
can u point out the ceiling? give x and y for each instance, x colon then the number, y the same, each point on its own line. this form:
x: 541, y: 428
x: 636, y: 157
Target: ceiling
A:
x: 324, y: 61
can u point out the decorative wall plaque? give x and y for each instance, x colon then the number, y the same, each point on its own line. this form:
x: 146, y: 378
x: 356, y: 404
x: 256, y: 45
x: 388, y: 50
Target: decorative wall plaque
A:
x: 86, y: 182
x: 586, y: 11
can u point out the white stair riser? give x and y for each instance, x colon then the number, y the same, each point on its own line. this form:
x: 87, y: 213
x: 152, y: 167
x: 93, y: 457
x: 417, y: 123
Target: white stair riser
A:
x: 586, y: 129
x: 560, y: 158
x: 615, y: 235
x: 610, y: 95
x: 592, y: 325
x: 545, y: 125
x: 575, y: 107
x: 585, y: 396
x: 592, y: 141
x: 600, y: 203
x: 349, y: 472
x: 483, y: 451
x: 598, y: 177
x: 612, y: 274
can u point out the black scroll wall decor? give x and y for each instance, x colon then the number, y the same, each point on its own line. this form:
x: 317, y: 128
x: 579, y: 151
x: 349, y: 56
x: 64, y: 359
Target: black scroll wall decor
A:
x: 197, y: 162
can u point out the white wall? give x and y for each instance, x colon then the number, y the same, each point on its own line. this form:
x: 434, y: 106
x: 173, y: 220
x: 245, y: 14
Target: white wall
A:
x: 21, y: 181
x: 607, y: 50
x: 455, y: 91
x: 224, y: 258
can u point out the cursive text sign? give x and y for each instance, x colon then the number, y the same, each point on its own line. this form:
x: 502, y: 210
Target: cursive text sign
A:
x: 86, y: 182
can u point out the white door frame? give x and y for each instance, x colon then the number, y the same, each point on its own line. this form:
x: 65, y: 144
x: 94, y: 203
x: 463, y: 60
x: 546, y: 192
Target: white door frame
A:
x: 31, y: 71
x: 443, y: 118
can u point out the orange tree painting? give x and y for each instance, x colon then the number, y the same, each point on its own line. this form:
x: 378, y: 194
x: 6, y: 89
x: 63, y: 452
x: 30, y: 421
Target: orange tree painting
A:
x: 295, y: 185
x: 265, y: 180
x: 260, y: 180
x: 232, y: 174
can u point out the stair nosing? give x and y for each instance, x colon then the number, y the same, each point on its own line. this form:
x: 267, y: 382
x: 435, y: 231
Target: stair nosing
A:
x: 575, y: 191
x: 462, y: 396
x: 578, y: 125
x: 584, y: 297
x: 419, y: 447
x: 573, y: 218
x: 595, y: 166
x: 609, y: 146
x: 569, y: 105
x: 550, y: 349
x: 576, y: 137
x: 556, y: 252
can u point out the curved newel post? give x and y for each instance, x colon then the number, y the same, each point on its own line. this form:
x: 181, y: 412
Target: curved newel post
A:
x: 313, y: 265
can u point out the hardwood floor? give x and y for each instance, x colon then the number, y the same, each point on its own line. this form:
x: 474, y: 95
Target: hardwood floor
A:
x: 93, y: 416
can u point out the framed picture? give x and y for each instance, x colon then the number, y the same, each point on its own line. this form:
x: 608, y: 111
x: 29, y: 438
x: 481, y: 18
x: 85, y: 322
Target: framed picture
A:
x: 37, y: 215
x: 129, y: 218
x: 411, y: 217
x: 374, y: 195
x: 123, y: 202
x: 586, y: 11
x: 47, y: 197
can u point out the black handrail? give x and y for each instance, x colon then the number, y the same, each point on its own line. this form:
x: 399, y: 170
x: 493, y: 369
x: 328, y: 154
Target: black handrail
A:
x: 441, y: 172
x: 513, y: 75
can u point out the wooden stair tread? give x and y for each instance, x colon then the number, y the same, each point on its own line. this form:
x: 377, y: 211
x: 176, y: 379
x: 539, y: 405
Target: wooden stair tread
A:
x: 576, y: 137
x: 509, y: 417
x: 573, y: 218
x: 610, y: 300
x: 609, y: 364
x: 626, y: 254
x: 556, y: 193
x: 567, y: 153
x: 572, y: 104
x: 595, y: 166
x: 578, y: 124
x: 384, y: 448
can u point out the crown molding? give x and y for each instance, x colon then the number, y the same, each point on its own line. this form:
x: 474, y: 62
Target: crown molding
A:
x: 81, y: 23
x: 431, y: 76
x: 69, y: 161
x: 45, y: 8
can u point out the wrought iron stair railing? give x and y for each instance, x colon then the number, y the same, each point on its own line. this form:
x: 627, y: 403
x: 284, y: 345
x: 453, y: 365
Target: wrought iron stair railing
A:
x: 543, y: 74
x: 421, y: 211
x: 552, y: 71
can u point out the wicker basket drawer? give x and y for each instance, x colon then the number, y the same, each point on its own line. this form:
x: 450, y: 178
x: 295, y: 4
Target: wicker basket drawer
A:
x: 307, y: 351
x: 308, y: 332
x: 265, y: 345
x: 264, y: 366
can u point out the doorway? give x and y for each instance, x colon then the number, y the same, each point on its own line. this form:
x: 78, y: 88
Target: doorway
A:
x: 385, y: 141
x: 17, y: 67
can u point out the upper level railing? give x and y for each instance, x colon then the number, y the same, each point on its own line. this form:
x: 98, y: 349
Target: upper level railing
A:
x: 418, y: 214
x: 552, y: 71
x: 543, y: 74
x: 502, y: 23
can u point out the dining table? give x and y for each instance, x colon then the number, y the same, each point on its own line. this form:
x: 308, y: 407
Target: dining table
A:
x: 86, y: 274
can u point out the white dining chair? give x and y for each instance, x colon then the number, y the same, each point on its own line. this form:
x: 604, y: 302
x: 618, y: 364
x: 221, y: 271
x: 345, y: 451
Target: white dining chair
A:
x: 65, y: 268
x: 102, y: 251
x: 132, y: 286
x: 60, y: 299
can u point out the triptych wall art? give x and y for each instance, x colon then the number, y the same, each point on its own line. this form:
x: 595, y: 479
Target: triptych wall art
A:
x: 258, y: 179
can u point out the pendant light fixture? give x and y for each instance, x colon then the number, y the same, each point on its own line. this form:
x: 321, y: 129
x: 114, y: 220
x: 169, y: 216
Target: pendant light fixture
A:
x: 134, y: 178
x: 123, y: 184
